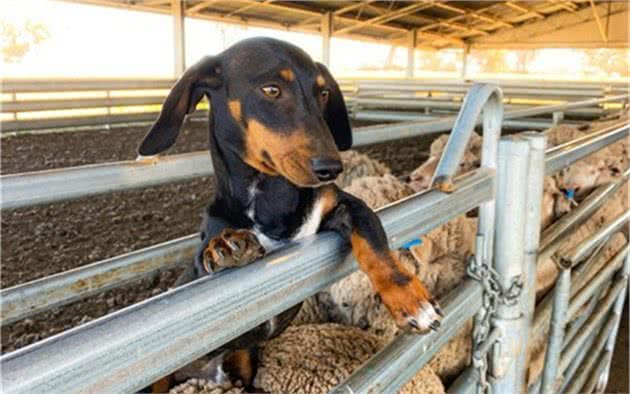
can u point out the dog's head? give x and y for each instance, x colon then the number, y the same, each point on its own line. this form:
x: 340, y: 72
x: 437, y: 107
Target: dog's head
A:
x: 282, y: 113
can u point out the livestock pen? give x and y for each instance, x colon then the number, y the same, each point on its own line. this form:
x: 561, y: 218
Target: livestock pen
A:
x: 159, y: 335
x: 94, y: 237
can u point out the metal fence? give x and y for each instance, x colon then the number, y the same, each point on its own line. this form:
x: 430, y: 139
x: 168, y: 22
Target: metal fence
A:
x: 40, y: 104
x: 133, y: 347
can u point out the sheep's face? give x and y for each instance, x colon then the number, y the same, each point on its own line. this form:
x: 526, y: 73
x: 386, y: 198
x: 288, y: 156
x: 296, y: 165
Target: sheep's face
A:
x: 420, y: 178
x: 585, y: 175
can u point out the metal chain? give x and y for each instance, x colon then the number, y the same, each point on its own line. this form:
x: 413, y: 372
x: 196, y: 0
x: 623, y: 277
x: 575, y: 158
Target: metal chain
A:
x: 493, y: 295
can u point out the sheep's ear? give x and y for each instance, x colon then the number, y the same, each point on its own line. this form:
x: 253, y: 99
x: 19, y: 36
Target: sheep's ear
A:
x: 183, y: 98
x: 335, y: 113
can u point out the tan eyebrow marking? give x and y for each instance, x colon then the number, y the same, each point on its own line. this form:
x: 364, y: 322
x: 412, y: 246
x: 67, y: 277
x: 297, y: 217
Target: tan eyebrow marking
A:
x: 235, y: 109
x: 320, y: 81
x: 287, y: 74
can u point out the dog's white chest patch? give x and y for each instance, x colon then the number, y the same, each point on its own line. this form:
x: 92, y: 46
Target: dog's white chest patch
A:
x: 312, y: 222
x: 309, y: 226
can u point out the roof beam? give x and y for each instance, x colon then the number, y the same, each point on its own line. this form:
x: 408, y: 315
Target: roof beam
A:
x: 200, y: 6
x: 600, y: 26
x: 473, y: 13
x: 524, y: 9
x: 247, y: 7
x: 379, y: 20
x: 338, y: 12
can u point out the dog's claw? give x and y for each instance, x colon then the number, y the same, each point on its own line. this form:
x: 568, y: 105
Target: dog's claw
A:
x: 435, y: 325
x: 233, y: 245
x: 232, y: 248
x: 437, y: 308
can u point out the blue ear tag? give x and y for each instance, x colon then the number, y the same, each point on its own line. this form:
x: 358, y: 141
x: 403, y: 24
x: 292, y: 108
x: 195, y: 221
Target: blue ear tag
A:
x: 569, y: 193
x: 412, y: 243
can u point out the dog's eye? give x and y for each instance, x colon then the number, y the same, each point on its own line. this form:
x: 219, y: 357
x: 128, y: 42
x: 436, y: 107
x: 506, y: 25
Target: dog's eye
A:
x: 324, y: 95
x: 271, y: 91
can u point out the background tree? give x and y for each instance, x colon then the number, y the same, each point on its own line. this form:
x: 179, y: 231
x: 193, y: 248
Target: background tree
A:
x: 17, y: 41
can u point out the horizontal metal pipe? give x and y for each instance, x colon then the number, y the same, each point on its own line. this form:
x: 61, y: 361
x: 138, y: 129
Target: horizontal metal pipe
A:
x: 33, y: 188
x: 592, y: 354
x: 574, y: 365
x: 51, y: 105
x: 51, y: 123
x: 381, y: 133
x: 543, y: 309
x: 603, y: 276
x: 596, y: 373
x: 569, y: 257
x: 385, y: 116
x: 84, y: 84
x: 554, y: 235
x: 559, y: 159
x: 39, y: 295
x: 392, y: 367
x: 52, y: 291
x: 20, y: 190
x: 31, y: 125
x: 577, y: 324
x: 604, y: 307
x: 193, y: 319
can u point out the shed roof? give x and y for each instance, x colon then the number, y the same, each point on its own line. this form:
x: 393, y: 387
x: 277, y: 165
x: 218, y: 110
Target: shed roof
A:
x: 438, y: 24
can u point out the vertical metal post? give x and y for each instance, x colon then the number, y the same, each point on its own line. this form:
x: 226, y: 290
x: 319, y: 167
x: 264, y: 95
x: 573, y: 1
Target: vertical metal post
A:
x: 509, y: 258
x: 178, y: 9
x: 465, y: 61
x: 411, y: 52
x: 326, y: 28
x: 557, y: 117
x: 561, y: 295
x: 535, y: 180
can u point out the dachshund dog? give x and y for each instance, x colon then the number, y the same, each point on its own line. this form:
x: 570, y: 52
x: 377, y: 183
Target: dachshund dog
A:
x: 277, y: 123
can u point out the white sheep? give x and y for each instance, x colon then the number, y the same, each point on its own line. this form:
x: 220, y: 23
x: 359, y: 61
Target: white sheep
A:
x: 357, y: 165
x: 313, y: 359
x: 420, y: 178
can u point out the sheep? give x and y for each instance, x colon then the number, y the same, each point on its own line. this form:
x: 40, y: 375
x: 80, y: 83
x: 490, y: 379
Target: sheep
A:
x: 312, y: 359
x: 420, y: 178
x: 538, y: 344
x: 547, y: 270
x: 356, y: 165
x: 201, y: 386
x: 315, y: 358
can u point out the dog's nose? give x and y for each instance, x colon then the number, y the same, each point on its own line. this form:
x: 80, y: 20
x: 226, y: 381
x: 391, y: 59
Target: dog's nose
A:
x: 326, y: 169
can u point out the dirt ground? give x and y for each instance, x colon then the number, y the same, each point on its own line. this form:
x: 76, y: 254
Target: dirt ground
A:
x: 43, y: 240
x: 40, y: 241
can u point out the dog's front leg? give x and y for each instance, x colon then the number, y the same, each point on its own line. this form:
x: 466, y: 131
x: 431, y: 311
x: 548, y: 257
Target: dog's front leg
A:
x: 406, y: 298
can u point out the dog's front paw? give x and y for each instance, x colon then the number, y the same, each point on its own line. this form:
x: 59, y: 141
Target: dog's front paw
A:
x: 412, y: 307
x: 232, y: 248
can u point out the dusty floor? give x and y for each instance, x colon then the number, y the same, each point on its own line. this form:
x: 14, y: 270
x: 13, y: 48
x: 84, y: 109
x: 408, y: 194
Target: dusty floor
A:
x: 40, y: 241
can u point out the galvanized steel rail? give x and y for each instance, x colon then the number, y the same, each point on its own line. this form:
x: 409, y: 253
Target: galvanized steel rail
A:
x: 21, y: 190
x: 170, y: 330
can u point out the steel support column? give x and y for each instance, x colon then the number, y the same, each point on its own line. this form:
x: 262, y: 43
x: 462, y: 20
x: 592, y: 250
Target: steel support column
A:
x: 178, y: 8
x: 465, y: 61
x: 327, y: 29
x: 411, y: 52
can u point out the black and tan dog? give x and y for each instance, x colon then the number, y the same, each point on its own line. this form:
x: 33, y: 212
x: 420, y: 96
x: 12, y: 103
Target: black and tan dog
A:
x: 277, y: 123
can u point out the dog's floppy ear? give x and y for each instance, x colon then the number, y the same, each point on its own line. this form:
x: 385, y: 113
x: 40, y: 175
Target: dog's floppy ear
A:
x: 336, y: 114
x: 189, y: 89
